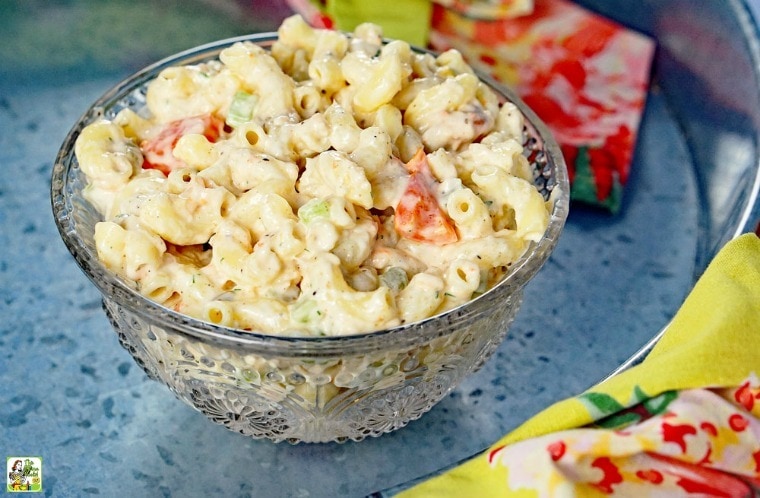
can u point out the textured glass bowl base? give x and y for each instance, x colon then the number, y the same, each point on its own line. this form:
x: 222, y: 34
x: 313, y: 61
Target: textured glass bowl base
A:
x: 312, y: 399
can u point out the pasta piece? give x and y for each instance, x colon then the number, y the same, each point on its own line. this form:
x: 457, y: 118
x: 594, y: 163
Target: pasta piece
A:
x: 403, y: 99
x: 106, y: 155
x: 383, y: 257
x: 261, y: 212
x: 389, y: 119
x: 110, y: 241
x: 294, y: 32
x: 253, y: 135
x: 240, y: 266
x: 354, y: 245
x: 136, y: 127
x: 513, y: 199
x: 329, y: 305
x: 260, y: 72
x: 192, y: 286
x: 269, y: 316
x: 325, y: 220
x: 327, y: 75
x: 469, y: 214
x: 321, y: 236
x: 424, y: 65
x: 453, y: 61
x: 420, y: 298
x: 306, y: 138
x: 293, y: 61
x: 185, y: 91
x: 442, y: 165
x: 332, y: 173
x: 448, y: 115
x: 488, y: 252
x: 363, y: 279
x: 126, y: 201
x: 389, y: 184
x: 134, y: 253
x: 195, y: 150
x: 385, y: 79
x: 186, y: 218
x: 329, y: 43
x: 219, y: 312
x: 367, y: 39
x: 372, y: 151
x: 156, y: 285
x: 309, y: 101
x: 343, y: 130
x: 357, y: 68
x: 510, y: 120
x: 408, y: 143
x: 462, y: 279
x: 492, y: 152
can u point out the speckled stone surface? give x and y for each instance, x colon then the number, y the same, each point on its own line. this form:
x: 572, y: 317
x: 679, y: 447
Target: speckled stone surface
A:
x: 71, y: 395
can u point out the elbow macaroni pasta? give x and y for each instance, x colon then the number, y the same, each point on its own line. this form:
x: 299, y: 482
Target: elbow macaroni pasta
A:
x: 283, y: 215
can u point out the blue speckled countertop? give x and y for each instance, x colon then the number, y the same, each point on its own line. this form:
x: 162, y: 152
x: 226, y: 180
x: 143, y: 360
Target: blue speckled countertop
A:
x: 71, y: 395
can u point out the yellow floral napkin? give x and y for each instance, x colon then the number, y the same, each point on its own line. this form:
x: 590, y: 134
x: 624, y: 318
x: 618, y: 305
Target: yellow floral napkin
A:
x: 685, y: 422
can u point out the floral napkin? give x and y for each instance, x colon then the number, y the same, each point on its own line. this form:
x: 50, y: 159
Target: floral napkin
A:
x: 685, y: 422
x: 584, y: 75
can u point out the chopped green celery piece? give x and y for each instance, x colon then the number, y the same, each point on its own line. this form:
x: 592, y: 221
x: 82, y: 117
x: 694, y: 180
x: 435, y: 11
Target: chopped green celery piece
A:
x: 315, y: 208
x: 483, y: 286
x: 394, y: 278
x: 305, y: 311
x: 241, y: 108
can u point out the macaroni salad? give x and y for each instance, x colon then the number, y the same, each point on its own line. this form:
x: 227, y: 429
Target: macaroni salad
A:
x: 334, y: 184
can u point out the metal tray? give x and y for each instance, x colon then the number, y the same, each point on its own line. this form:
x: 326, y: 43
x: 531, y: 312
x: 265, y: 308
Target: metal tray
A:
x: 612, y: 284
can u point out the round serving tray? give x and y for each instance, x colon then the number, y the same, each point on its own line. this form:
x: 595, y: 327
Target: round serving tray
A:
x: 611, y: 285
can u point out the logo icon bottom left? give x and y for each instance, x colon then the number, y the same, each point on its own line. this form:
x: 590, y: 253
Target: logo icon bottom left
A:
x: 23, y: 474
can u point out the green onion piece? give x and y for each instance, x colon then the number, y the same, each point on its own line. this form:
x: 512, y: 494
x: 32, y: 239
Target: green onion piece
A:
x: 394, y: 278
x: 483, y: 286
x: 315, y: 208
x: 241, y: 108
x: 305, y: 311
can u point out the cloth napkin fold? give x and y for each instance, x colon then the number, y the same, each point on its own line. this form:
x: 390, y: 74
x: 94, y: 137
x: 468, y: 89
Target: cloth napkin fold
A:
x: 684, y: 422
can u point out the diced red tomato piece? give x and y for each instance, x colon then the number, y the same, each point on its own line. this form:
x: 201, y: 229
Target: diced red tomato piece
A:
x: 157, y: 152
x: 418, y: 214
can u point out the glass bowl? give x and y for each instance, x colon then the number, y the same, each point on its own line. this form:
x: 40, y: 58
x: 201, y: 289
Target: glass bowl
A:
x: 301, y: 389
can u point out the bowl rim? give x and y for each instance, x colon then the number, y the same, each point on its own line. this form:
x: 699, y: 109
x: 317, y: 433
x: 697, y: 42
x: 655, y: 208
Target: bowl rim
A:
x: 114, y: 288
